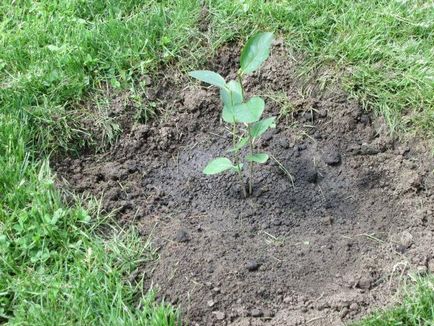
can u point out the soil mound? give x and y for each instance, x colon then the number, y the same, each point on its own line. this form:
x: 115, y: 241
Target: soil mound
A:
x: 329, y: 247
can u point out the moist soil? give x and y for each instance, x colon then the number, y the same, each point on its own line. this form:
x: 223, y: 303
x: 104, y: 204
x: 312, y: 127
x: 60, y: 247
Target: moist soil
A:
x: 326, y: 247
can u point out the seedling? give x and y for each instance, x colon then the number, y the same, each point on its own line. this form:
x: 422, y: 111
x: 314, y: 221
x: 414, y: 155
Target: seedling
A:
x: 241, y: 113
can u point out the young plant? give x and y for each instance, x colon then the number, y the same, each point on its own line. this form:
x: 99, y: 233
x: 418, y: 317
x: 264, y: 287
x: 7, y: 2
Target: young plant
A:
x: 241, y: 113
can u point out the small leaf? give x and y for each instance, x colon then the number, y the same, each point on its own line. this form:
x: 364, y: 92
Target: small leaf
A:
x: 258, y: 158
x: 209, y: 77
x: 255, y: 52
x: 53, y: 48
x: 228, y: 114
x: 56, y: 216
x: 250, y: 111
x: 241, y: 143
x: 232, y: 94
x: 83, y: 216
x: 259, y: 127
x: 115, y: 83
x: 218, y: 165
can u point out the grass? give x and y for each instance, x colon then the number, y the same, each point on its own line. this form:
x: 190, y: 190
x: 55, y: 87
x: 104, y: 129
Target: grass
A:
x: 54, y: 268
x: 417, y: 308
x: 54, y: 52
x: 55, y: 56
x: 383, y: 48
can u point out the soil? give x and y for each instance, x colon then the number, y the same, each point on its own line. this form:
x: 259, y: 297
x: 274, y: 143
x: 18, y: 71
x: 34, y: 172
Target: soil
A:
x: 325, y: 249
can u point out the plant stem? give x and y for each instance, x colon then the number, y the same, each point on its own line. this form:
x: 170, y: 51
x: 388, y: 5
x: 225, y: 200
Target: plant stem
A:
x: 251, y: 162
x: 238, y: 159
x: 250, y: 140
x: 241, y: 84
x: 243, y: 188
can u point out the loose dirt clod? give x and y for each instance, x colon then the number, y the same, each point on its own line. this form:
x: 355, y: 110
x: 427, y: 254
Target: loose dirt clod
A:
x: 257, y: 313
x: 219, y: 315
x: 182, y: 236
x: 252, y: 266
x: 326, y: 237
x: 332, y: 156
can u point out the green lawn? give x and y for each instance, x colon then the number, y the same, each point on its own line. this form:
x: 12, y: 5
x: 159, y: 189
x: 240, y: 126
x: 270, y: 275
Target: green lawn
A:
x: 55, y: 269
x: 385, y: 48
x: 417, y: 307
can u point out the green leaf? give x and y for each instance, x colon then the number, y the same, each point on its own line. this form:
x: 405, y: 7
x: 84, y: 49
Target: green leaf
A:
x: 255, y: 52
x: 115, y: 83
x: 258, y: 158
x: 232, y: 94
x: 259, y: 127
x: 53, y: 48
x: 209, y: 77
x: 218, y: 165
x: 241, y: 143
x: 228, y: 114
x: 56, y: 216
x: 83, y: 216
x: 250, y: 111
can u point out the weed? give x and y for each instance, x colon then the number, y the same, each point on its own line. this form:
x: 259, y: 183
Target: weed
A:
x: 242, y: 114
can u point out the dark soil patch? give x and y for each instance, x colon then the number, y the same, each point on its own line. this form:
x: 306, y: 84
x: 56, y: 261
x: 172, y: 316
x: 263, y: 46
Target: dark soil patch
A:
x: 329, y: 248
